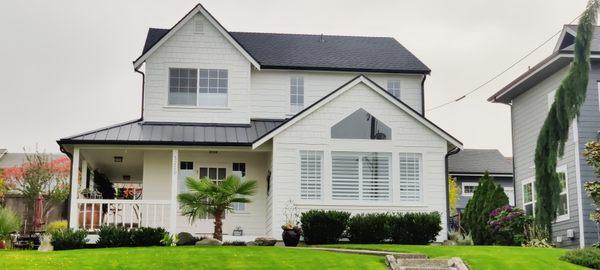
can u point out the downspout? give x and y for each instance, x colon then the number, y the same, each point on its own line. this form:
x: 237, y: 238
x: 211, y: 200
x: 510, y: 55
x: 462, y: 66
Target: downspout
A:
x: 70, y: 156
x: 423, y: 95
x: 512, y: 139
x: 451, y: 152
x: 143, y: 90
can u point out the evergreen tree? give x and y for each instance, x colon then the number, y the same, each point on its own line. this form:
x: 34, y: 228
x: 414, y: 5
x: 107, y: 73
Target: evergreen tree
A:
x: 555, y: 131
x: 487, y: 197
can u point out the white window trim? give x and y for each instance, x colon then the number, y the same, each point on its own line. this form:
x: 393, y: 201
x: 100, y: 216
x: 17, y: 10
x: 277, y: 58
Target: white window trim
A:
x: 566, y: 216
x: 470, y: 184
x: 197, y: 106
x: 533, y: 201
x: 598, y: 86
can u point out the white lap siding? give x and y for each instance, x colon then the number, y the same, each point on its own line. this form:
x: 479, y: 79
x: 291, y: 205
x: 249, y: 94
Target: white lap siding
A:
x: 313, y: 133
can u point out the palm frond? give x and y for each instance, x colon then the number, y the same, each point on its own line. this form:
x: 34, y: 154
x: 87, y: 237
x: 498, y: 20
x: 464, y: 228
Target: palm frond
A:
x: 247, y: 188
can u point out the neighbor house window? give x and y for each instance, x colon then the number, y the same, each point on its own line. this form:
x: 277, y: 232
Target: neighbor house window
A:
x: 198, y: 87
x: 563, y: 202
x: 361, y: 125
x: 468, y: 189
x: 239, y: 170
x: 213, y: 88
x: 296, y: 94
x: 361, y: 176
x: 311, y: 164
x: 529, y: 197
x: 183, y: 86
x: 410, y: 176
x: 394, y: 88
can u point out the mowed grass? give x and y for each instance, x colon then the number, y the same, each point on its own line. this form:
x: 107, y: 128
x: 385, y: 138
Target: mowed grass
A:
x: 485, y: 257
x: 226, y: 257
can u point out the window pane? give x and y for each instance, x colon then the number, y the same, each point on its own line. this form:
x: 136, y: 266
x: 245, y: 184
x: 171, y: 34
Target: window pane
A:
x: 562, y: 180
x: 562, y: 205
x: 394, y: 87
x: 345, y: 176
x: 213, y: 88
x: 310, y: 174
x: 361, y: 125
x: 376, y: 177
x: 527, y: 193
x: 410, y: 176
x: 296, y: 94
x: 212, y: 173
x: 203, y: 172
x: 182, y: 86
x: 221, y: 175
x: 529, y: 209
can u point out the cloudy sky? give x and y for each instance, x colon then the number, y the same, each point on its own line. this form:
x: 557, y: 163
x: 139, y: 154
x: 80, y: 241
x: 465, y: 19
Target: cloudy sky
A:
x: 66, y: 66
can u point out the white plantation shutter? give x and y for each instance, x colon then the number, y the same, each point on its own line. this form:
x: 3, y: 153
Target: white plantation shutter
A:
x: 376, y: 177
x: 345, y: 176
x: 310, y: 174
x: 410, y: 176
x: 361, y: 176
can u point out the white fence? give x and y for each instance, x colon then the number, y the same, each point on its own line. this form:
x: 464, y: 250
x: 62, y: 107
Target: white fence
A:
x: 94, y: 213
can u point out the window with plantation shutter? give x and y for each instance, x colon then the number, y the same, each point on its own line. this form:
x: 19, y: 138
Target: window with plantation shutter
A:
x: 311, y: 163
x: 410, y: 176
x: 361, y: 176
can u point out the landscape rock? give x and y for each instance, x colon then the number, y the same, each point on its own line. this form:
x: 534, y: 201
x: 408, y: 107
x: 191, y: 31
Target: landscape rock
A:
x: 209, y: 242
x: 265, y: 241
x: 250, y: 243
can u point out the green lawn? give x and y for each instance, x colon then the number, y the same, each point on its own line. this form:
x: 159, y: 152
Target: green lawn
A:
x: 485, y: 257
x: 188, y: 258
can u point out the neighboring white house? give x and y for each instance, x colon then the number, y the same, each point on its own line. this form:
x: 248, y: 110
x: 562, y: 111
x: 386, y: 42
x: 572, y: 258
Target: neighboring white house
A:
x: 327, y: 122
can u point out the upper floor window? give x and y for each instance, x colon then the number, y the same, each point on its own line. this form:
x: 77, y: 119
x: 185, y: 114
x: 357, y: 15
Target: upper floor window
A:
x: 198, y: 87
x: 394, y: 88
x: 361, y: 125
x: 296, y: 94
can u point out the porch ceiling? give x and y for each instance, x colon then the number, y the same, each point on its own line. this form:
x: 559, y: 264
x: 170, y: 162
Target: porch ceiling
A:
x: 103, y: 160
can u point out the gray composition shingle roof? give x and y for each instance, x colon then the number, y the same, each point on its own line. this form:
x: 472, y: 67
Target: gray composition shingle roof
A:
x: 595, y: 47
x: 316, y: 52
x: 478, y: 161
x: 153, y: 133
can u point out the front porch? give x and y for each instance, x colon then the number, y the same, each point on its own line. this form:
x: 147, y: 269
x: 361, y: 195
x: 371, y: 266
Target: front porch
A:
x: 137, y: 186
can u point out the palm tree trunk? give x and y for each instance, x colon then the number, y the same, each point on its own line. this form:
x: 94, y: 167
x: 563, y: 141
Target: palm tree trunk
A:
x: 218, y: 233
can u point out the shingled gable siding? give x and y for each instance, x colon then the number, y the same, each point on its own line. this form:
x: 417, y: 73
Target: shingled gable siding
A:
x: 270, y: 91
x: 208, y: 50
x: 313, y: 133
x: 588, y: 127
x: 528, y: 113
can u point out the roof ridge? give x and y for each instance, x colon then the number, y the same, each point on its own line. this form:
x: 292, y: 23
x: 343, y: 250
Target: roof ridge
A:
x: 306, y: 34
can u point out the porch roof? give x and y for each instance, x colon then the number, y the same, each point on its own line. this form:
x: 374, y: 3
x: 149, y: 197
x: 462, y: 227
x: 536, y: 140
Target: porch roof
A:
x: 171, y: 133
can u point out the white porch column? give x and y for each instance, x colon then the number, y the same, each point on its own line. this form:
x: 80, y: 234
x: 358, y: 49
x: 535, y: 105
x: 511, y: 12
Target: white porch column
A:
x: 174, y: 178
x: 84, y: 170
x: 74, y: 209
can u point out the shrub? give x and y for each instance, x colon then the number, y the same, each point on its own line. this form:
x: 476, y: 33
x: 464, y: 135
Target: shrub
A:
x: 460, y: 239
x: 508, y: 225
x: 487, y: 197
x: 9, y: 223
x: 368, y: 228
x: 68, y: 239
x: 588, y: 257
x: 323, y: 227
x: 536, y: 236
x: 234, y: 243
x: 169, y: 240
x: 186, y: 239
x: 146, y: 236
x: 414, y: 228
x: 112, y: 236
x: 56, y: 225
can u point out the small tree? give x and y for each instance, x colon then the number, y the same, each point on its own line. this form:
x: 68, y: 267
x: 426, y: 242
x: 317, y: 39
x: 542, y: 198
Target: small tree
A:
x: 453, y: 194
x: 487, y: 197
x: 210, y: 197
x: 40, y: 175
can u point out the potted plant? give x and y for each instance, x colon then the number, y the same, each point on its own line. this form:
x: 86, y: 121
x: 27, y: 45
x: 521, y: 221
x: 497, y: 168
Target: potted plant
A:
x: 9, y: 223
x: 291, y: 229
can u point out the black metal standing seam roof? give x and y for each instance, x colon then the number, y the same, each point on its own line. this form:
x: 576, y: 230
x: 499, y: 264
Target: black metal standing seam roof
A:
x: 478, y: 161
x: 320, y: 52
x: 154, y: 133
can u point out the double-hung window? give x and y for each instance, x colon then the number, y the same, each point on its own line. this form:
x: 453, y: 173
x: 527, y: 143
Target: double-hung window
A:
x: 198, y: 87
x: 410, y: 176
x: 468, y: 189
x: 311, y: 164
x: 563, y: 202
x: 394, y: 88
x: 529, y: 197
x: 361, y: 176
x: 296, y: 94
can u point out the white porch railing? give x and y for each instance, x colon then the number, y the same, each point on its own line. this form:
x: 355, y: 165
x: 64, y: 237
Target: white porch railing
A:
x: 94, y: 213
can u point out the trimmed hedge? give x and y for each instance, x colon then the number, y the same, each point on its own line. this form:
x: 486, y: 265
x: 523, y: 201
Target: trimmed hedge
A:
x: 68, y: 239
x: 414, y: 228
x: 588, y: 257
x: 111, y: 236
x: 368, y: 228
x: 146, y: 236
x: 323, y: 227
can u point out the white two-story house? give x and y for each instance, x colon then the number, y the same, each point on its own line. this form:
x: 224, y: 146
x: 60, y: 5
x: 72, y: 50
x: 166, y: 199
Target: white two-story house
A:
x: 319, y: 121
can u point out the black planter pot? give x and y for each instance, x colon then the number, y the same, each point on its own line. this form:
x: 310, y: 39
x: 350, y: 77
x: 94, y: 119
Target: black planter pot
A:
x: 290, y: 237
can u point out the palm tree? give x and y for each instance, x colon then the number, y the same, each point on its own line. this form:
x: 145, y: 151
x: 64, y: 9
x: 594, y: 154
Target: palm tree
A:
x: 211, y: 197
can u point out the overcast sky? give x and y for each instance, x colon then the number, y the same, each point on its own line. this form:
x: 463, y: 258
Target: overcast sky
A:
x: 66, y: 66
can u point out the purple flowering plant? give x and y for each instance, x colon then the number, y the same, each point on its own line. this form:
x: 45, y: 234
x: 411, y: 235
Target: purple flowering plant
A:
x: 508, y: 224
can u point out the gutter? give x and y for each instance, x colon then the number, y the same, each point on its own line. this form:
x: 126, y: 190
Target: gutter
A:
x: 454, y: 151
x: 423, y: 95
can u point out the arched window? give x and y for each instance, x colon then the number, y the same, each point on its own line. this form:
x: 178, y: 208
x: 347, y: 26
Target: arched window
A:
x: 361, y: 125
